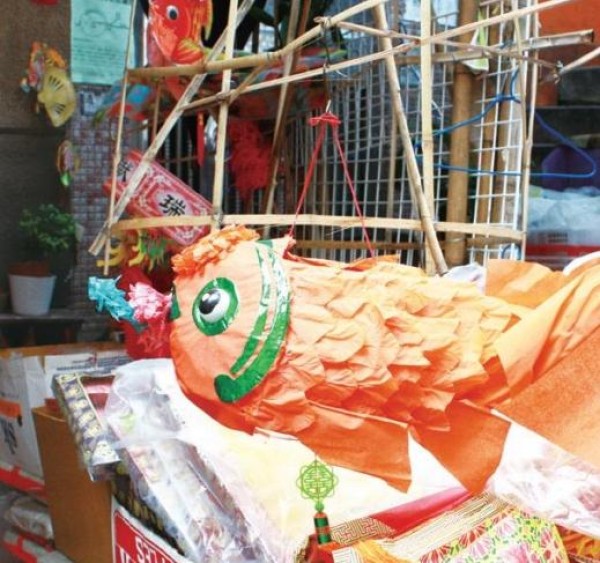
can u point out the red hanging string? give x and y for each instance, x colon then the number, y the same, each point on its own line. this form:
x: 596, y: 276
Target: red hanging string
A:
x: 322, y: 121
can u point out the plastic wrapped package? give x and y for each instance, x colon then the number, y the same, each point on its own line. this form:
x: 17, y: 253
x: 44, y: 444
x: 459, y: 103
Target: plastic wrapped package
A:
x: 562, y: 225
x: 544, y: 479
x: 30, y: 516
x: 81, y: 399
x: 26, y: 550
x: 7, y: 496
x: 163, y: 468
x: 224, y: 495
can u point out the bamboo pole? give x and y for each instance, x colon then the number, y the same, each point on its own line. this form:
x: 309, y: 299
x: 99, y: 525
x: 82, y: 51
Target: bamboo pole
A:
x: 460, y: 143
x: 489, y: 135
x: 529, y: 147
x: 427, y: 117
x: 580, y: 61
x: 414, y: 175
x: 219, y: 174
x: 284, y: 104
x: 310, y: 219
x: 158, y: 141
x: 119, y: 139
x: 401, y: 60
x: 497, y: 20
x: 468, y: 51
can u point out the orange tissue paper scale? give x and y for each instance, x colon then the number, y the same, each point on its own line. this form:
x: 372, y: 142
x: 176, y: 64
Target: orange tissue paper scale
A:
x: 351, y: 359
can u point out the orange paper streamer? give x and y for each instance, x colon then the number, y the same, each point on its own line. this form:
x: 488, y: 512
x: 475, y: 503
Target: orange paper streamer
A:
x: 350, y: 359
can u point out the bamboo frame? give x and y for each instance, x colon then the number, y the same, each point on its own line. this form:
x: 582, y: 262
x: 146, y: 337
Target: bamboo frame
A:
x: 580, y: 61
x: 151, y: 152
x: 392, y: 57
x: 578, y: 38
x: 409, y: 152
x: 284, y: 103
x: 309, y: 219
x: 251, y: 61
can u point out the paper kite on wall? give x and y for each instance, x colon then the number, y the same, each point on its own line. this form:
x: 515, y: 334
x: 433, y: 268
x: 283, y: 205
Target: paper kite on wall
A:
x: 350, y: 359
x: 47, y: 75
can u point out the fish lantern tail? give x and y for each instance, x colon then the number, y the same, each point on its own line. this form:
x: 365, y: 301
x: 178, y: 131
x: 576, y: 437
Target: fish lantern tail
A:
x: 471, y: 448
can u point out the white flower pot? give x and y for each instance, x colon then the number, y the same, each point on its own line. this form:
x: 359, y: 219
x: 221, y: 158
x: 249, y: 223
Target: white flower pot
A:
x: 31, y: 295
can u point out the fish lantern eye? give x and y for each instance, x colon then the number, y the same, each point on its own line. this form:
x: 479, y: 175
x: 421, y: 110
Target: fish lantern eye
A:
x: 216, y: 306
x: 172, y: 12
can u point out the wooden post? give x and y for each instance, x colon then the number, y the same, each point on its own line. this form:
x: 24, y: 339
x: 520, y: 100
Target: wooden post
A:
x: 458, y: 182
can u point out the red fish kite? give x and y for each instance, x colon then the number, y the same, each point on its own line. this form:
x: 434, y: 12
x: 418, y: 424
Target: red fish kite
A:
x: 176, y: 27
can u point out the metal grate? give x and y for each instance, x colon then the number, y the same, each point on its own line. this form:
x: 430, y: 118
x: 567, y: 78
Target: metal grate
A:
x: 360, y: 96
x: 361, y: 99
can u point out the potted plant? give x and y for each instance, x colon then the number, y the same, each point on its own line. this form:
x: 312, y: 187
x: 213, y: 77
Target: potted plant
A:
x: 47, y: 231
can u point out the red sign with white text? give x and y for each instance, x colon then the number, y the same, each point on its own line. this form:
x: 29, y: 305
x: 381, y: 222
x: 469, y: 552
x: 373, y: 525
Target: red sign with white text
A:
x: 132, y: 543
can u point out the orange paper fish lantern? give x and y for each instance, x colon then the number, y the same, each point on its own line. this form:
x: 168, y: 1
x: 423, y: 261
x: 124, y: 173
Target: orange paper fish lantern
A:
x: 350, y: 359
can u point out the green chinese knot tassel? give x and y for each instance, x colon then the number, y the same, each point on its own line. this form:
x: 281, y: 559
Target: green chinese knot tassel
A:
x: 317, y: 482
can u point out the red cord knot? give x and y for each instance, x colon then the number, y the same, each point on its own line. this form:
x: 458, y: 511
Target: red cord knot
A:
x: 327, y: 117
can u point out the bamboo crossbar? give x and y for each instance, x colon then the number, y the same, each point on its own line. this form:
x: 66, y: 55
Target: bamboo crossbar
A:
x: 470, y: 53
x: 580, y: 61
x: 250, y: 61
x: 272, y: 57
x: 497, y: 231
x: 467, y: 51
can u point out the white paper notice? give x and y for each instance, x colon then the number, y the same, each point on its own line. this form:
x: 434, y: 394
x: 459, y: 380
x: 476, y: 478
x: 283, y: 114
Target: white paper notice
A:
x: 99, y: 31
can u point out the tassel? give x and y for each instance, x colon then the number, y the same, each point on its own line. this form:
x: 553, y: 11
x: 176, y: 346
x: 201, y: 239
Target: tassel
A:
x: 322, y: 529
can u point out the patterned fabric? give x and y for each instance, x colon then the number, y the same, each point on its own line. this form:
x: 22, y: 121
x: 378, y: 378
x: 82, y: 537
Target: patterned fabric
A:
x: 482, y: 530
x: 509, y: 537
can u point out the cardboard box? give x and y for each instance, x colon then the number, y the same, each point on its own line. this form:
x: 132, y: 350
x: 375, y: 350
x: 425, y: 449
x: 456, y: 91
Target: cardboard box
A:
x: 80, y: 509
x: 25, y: 378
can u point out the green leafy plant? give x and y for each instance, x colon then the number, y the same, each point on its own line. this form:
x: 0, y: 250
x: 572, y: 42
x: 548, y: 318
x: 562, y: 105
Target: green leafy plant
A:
x: 48, y: 230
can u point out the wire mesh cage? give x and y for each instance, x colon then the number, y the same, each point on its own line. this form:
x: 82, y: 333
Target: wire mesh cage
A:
x: 474, y: 94
x: 496, y: 126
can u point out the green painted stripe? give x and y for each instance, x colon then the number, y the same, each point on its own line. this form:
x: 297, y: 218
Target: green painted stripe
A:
x: 261, y: 320
x: 230, y: 390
